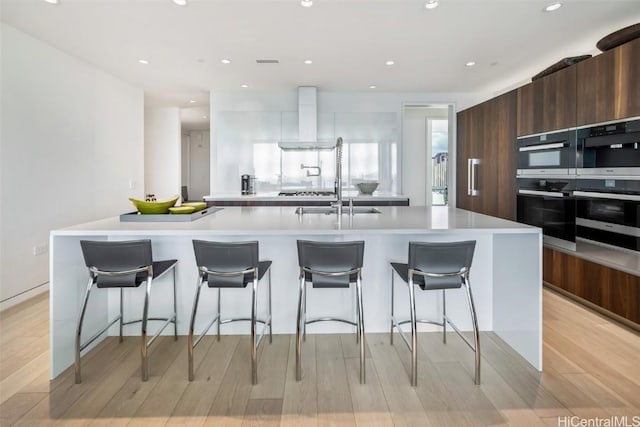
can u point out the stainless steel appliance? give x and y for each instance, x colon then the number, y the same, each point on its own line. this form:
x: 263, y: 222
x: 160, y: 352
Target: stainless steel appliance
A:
x: 549, y: 203
x: 247, y: 184
x: 610, y: 149
x: 608, y: 211
x: 547, y: 154
x: 306, y: 193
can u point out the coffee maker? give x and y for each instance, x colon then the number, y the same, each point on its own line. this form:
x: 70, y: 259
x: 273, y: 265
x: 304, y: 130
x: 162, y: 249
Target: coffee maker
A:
x: 248, y: 184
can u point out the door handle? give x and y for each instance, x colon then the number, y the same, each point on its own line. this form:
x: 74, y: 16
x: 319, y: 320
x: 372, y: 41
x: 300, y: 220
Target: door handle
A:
x: 472, y: 168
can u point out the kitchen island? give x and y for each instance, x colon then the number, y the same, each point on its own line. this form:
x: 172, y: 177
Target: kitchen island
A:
x: 506, y: 274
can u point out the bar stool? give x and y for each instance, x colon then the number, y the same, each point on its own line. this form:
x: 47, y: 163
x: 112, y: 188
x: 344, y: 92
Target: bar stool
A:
x: 230, y: 265
x: 436, y: 266
x: 330, y: 265
x: 125, y: 264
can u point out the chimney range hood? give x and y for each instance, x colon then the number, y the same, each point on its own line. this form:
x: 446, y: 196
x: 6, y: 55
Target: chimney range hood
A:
x: 307, y: 124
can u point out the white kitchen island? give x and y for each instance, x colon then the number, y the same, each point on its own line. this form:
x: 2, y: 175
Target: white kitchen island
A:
x: 506, y: 274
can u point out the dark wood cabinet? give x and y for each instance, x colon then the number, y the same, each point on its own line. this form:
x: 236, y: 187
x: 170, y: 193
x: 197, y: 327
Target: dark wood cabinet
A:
x: 608, y: 85
x: 548, y: 103
x: 613, y: 290
x: 488, y: 132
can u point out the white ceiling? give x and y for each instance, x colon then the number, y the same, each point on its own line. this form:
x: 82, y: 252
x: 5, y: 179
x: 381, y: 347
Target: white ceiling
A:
x: 348, y: 41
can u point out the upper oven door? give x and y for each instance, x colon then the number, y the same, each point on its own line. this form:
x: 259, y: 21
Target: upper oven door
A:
x: 547, y: 154
x: 612, y: 149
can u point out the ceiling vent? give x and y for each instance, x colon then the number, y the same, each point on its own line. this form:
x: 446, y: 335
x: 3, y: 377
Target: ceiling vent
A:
x: 267, y: 61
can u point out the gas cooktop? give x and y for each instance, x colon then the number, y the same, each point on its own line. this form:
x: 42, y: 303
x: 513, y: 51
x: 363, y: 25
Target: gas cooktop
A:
x: 305, y: 193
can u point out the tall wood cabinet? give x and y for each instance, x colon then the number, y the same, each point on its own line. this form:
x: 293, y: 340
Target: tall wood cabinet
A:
x: 487, y: 132
x: 608, y: 85
x: 548, y: 103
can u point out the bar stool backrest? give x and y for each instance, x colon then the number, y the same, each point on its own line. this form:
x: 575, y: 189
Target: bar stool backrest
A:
x: 115, y: 257
x: 330, y: 257
x: 226, y: 257
x: 441, y: 257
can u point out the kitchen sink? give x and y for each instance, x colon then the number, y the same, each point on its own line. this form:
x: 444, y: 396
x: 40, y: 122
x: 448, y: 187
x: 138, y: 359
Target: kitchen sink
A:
x: 328, y: 210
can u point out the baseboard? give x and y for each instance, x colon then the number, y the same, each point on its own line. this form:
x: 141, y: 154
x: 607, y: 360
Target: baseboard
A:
x: 21, y: 297
x: 635, y: 327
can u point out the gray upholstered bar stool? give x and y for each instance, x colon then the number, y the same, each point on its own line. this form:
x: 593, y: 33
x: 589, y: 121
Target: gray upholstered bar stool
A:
x: 330, y: 265
x: 230, y: 265
x: 122, y: 265
x: 436, y: 266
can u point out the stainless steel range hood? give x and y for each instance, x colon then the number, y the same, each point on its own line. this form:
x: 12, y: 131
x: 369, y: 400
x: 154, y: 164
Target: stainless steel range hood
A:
x: 307, y: 124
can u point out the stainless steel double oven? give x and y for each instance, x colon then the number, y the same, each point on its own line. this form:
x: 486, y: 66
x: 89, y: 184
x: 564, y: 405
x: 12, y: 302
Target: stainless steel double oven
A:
x: 582, y: 184
x: 546, y: 180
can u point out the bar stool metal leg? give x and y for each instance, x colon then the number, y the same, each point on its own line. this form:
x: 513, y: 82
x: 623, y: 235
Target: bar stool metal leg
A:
x: 444, y: 317
x: 270, y: 315
x: 414, y: 334
x: 476, y: 334
x: 194, y: 310
x: 357, y: 322
x: 79, y: 330
x: 121, y: 311
x: 144, y: 370
x: 361, y: 329
x: 298, y: 329
x: 175, y: 308
x: 219, y: 315
x: 391, y: 327
x: 304, y: 313
x: 254, y: 348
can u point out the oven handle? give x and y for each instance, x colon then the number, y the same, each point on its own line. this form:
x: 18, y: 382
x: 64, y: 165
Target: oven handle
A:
x: 542, y: 193
x: 544, y: 146
x: 611, y: 196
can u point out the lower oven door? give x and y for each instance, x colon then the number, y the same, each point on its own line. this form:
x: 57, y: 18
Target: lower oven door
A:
x: 554, y: 212
x: 609, y: 218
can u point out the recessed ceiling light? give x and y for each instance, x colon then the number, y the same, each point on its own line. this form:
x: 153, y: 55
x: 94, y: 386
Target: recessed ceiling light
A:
x: 308, y: 61
x: 390, y: 62
x: 552, y: 7
x: 53, y: 1
x: 244, y: 86
x: 192, y: 101
x: 204, y: 117
x: 431, y: 4
x: 225, y: 61
x: 306, y: 3
x: 143, y: 61
x: 372, y: 86
x: 180, y: 2
x: 470, y: 64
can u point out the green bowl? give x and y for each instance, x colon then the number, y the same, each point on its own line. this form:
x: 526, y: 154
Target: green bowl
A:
x: 182, y: 209
x: 197, y: 205
x: 161, y: 207
x: 367, y: 187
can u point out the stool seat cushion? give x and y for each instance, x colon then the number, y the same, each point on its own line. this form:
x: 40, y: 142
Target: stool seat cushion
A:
x: 237, y: 281
x: 135, y: 280
x: 432, y: 283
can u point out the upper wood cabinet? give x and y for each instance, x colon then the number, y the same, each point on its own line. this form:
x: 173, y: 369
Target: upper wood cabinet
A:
x: 609, y: 85
x: 488, y: 132
x: 548, y: 103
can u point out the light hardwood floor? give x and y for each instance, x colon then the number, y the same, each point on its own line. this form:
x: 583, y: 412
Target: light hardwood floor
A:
x: 591, y: 369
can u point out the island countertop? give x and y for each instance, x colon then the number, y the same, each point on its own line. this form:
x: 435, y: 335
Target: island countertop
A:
x: 284, y: 220
x: 506, y: 274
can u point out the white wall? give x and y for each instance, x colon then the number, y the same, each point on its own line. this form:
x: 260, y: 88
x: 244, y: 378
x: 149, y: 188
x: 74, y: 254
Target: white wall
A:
x: 225, y: 176
x: 162, y: 151
x: 71, y: 147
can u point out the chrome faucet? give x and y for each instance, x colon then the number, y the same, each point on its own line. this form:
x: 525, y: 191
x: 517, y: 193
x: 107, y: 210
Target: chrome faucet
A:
x: 317, y: 168
x: 338, y: 182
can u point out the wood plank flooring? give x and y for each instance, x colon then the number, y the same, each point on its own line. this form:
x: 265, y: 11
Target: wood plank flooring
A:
x: 591, y: 370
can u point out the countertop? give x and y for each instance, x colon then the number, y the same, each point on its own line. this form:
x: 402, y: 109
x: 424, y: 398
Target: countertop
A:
x: 284, y: 220
x: 273, y: 196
